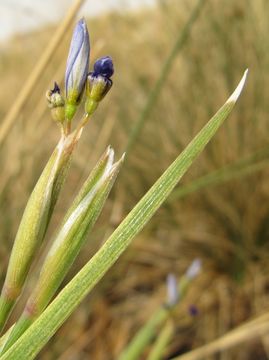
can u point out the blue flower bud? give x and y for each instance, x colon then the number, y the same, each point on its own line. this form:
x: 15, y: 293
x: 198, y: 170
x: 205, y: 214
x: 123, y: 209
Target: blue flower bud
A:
x: 77, y: 67
x: 98, y: 83
x: 104, y: 66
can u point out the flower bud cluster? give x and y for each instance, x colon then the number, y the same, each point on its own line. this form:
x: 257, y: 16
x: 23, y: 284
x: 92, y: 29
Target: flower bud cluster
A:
x: 77, y: 76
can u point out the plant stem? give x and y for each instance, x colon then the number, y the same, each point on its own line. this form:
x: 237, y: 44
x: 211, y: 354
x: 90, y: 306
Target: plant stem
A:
x: 6, y: 306
x: 145, y: 335
x: 162, y: 341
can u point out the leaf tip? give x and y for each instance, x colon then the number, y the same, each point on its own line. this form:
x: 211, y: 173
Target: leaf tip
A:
x: 116, y: 167
x: 235, y: 95
x: 110, y: 154
x: 122, y: 157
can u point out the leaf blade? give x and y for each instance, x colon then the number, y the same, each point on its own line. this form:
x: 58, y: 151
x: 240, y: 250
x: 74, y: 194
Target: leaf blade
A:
x: 28, y: 346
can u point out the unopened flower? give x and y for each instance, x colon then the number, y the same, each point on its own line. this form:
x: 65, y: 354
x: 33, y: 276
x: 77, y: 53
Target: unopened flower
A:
x: 98, y: 83
x: 194, y: 269
x: 172, y: 290
x: 77, y: 67
x: 56, y: 103
x: 104, y: 66
x: 54, y: 97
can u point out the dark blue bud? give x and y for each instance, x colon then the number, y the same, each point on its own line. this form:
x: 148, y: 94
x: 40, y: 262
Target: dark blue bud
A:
x: 56, y: 103
x: 77, y: 63
x: 54, y: 97
x: 193, y: 310
x: 103, y: 66
x: 56, y: 89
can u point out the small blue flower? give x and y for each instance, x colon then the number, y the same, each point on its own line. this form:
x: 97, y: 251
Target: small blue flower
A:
x: 103, y: 66
x: 77, y: 63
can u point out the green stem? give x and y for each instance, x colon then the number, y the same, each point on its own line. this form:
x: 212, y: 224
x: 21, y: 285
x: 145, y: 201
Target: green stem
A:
x: 145, y: 335
x: 149, y: 330
x: 6, y: 306
x: 162, y: 341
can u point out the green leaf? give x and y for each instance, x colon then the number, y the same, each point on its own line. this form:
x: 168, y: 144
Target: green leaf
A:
x: 32, y: 341
x: 34, y: 223
x: 71, y: 236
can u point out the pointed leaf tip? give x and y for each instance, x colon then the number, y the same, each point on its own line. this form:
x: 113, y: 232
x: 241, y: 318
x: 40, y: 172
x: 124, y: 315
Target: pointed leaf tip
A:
x: 111, y: 154
x: 235, y: 95
x: 123, y: 157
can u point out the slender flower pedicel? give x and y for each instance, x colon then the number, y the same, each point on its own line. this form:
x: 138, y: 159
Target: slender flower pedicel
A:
x: 76, y: 68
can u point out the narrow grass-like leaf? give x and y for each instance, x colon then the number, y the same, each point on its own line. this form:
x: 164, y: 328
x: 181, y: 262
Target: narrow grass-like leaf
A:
x: 32, y: 341
x: 34, y: 224
x: 4, y: 337
x: 145, y: 335
x: 69, y: 240
x: 233, y: 171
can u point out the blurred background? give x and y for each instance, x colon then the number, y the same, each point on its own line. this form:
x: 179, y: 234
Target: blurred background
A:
x: 176, y: 63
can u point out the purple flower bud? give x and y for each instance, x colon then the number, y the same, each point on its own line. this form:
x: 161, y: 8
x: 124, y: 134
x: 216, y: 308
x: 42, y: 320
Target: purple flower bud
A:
x: 103, y: 66
x: 56, y: 88
x: 54, y: 97
x: 193, y: 310
x: 77, y: 63
x: 194, y: 269
x: 56, y: 103
x: 98, y: 83
x: 172, y: 290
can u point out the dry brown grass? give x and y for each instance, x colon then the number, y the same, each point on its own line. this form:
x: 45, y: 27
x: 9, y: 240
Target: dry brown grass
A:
x: 225, y: 225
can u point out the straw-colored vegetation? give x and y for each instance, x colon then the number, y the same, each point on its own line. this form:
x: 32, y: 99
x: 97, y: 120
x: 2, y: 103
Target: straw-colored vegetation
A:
x: 222, y: 216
